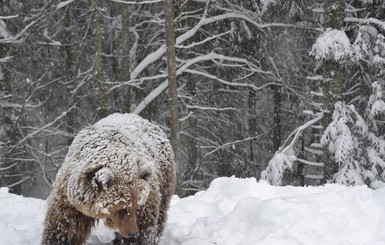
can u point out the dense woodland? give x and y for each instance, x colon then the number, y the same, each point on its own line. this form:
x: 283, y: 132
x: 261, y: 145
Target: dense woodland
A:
x: 288, y: 91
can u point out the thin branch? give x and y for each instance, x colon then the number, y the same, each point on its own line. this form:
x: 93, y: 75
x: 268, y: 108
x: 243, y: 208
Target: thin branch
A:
x: 31, y: 135
x: 297, y: 132
x: 19, y: 182
x: 233, y: 84
x: 136, y: 2
x: 219, y: 148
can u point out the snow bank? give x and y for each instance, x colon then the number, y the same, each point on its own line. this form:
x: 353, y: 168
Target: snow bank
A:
x: 242, y: 211
x: 238, y: 211
x: 20, y: 219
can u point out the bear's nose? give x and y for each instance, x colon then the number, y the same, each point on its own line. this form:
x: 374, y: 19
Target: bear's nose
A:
x: 129, y: 234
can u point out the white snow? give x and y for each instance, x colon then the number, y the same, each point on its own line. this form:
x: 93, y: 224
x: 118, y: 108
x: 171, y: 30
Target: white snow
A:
x: 238, y: 212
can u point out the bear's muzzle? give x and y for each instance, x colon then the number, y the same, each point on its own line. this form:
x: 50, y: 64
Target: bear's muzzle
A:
x: 128, y: 226
x: 123, y: 222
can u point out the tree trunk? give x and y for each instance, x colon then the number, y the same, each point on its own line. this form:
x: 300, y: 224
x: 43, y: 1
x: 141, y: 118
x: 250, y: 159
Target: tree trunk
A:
x: 172, y: 89
x: 126, y: 64
x: 70, y: 83
x: 192, y: 149
x: 251, y: 105
x: 334, y: 13
x: 277, y: 118
x: 333, y: 83
x: 100, y: 76
x: 192, y: 141
x: 114, y: 9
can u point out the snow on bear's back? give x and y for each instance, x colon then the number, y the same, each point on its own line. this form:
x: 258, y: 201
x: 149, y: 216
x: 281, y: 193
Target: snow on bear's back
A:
x: 124, y: 137
x: 135, y: 134
x: 138, y: 130
x: 120, y: 147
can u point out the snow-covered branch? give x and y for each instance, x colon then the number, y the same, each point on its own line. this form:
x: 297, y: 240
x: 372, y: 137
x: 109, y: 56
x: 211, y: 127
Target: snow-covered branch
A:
x: 283, y: 159
x: 153, y: 57
x: 19, y: 182
x: 297, y: 132
x: 8, y: 17
x: 22, y: 33
x: 184, y: 68
x: 137, y: 2
x: 233, y: 84
x: 230, y: 144
x: 150, y: 97
x: 203, y: 41
x: 374, y: 21
x: 333, y: 45
x: 210, y: 108
x: 63, y: 4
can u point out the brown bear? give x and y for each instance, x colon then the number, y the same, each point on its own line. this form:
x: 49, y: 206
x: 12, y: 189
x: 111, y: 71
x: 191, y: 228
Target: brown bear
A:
x: 120, y: 170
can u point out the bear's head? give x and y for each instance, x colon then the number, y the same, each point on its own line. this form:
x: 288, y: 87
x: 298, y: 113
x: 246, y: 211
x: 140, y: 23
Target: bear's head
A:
x: 112, y: 188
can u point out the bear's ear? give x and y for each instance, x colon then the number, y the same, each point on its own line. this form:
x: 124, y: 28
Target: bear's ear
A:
x: 104, y: 178
x: 99, y: 175
x: 89, y: 173
x: 146, y: 171
x: 146, y: 175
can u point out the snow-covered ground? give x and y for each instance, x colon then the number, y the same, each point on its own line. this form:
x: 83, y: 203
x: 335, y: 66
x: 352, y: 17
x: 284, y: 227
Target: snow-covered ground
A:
x: 238, y: 211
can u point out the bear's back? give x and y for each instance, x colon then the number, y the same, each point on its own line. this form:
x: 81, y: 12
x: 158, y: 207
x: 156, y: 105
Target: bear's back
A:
x: 144, y: 135
x: 128, y: 133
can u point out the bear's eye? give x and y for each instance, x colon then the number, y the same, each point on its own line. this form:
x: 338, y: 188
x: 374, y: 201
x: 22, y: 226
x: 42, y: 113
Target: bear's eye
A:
x: 122, y: 213
x: 108, y: 220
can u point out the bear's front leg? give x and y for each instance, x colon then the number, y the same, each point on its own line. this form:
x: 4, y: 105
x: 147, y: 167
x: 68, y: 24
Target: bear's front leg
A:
x: 64, y: 225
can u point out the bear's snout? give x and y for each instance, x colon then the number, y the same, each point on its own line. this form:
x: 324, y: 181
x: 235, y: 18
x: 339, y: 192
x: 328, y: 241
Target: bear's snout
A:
x: 123, y: 222
x: 129, y: 226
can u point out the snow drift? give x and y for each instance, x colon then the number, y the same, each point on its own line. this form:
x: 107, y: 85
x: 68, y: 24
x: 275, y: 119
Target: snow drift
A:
x: 237, y: 212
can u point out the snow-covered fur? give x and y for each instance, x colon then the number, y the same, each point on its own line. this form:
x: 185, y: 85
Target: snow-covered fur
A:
x: 120, y: 170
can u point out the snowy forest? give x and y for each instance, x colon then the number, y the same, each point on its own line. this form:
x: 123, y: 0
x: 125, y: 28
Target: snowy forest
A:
x: 289, y: 91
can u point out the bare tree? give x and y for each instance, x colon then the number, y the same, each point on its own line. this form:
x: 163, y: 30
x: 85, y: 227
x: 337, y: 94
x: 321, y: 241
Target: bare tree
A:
x: 172, y: 88
x: 126, y: 64
x: 100, y: 75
